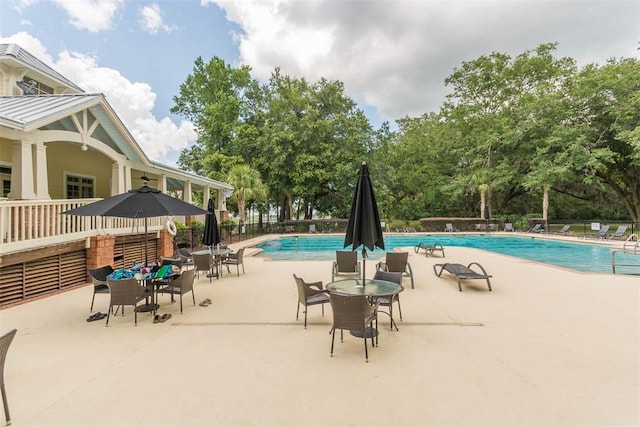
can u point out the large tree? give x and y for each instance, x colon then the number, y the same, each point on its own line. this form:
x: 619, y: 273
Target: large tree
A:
x: 311, y: 139
x: 603, y: 135
x: 498, y: 121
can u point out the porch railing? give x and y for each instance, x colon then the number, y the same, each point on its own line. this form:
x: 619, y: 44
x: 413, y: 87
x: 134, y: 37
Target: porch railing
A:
x: 28, y: 224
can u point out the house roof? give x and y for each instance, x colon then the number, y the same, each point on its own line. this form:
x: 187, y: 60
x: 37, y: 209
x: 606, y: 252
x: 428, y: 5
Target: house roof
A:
x: 53, y: 112
x: 26, y: 113
x: 14, y: 52
x: 29, y: 112
x: 173, y: 183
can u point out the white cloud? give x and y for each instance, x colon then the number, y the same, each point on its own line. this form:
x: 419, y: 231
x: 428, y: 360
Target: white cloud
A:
x: 152, y: 21
x: 133, y: 102
x: 396, y: 56
x: 90, y: 15
x: 160, y: 139
x: 31, y: 44
x: 21, y: 5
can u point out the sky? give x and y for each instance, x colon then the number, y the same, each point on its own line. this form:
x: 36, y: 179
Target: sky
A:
x: 392, y: 55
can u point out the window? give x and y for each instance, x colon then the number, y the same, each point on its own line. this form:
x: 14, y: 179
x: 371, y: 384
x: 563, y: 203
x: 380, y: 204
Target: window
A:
x: 38, y: 87
x: 79, y: 187
x: 5, y: 177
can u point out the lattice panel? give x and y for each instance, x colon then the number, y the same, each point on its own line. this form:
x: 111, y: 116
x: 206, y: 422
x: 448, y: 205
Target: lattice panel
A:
x: 41, y: 277
x: 130, y: 249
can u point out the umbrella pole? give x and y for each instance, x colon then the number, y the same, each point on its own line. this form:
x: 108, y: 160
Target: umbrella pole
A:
x: 364, y: 264
x: 146, y: 249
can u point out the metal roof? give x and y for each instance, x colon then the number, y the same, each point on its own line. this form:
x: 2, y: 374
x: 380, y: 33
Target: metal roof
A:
x: 211, y: 182
x: 29, y: 112
x: 53, y: 112
x: 19, y: 54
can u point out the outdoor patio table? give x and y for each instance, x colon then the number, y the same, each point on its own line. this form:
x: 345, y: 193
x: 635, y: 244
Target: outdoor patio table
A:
x: 369, y: 288
x: 217, y: 255
x: 150, y: 283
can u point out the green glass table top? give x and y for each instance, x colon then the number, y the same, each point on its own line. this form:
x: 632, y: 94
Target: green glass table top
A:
x: 368, y: 287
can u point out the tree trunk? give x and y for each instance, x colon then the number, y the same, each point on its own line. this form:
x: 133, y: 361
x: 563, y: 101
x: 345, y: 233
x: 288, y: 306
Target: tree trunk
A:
x: 283, y: 209
x: 483, y: 203
x: 545, y: 203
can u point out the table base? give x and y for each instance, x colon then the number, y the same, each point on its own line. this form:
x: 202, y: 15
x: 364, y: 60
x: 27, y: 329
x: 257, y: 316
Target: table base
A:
x: 147, y: 307
x: 369, y: 332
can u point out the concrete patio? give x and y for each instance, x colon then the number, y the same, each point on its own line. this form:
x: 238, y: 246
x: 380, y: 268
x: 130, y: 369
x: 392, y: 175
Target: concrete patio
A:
x: 548, y: 347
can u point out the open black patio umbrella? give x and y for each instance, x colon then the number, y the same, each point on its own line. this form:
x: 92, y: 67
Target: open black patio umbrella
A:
x: 145, y: 202
x: 211, y: 235
x: 364, y: 221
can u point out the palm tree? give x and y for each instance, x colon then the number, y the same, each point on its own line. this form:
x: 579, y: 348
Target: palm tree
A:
x: 246, y: 181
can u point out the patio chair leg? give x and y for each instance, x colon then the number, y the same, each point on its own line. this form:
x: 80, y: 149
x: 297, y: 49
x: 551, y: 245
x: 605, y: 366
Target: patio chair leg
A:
x: 366, y: 351
x: 333, y: 338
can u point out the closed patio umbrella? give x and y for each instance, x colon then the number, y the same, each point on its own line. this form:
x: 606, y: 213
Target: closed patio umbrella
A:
x: 211, y: 235
x: 364, y: 227
x: 144, y: 202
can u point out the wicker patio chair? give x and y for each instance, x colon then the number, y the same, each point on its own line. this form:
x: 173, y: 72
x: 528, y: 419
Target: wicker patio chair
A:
x: 388, y: 300
x: 235, y: 259
x: 99, y: 279
x: 310, y: 294
x: 126, y: 292
x: 346, y: 264
x: 204, y: 262
x: 5, y: 342
x: 353, y: 313
x: 180, y: 286
x: 185, y: 256
x: 398, y: 262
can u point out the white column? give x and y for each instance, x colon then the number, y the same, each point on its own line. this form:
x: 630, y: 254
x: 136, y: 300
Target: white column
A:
x: 22, y: 172
x: 162, y: 183
x: 186, y: 192
x: 222, y: 199
x: 117, y: 179
x: 206, y: 195
x: 127, y: 178
x: 40, y: 171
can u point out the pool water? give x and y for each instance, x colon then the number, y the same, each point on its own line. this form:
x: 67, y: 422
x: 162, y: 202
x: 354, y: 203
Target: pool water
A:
x: 576, y: 256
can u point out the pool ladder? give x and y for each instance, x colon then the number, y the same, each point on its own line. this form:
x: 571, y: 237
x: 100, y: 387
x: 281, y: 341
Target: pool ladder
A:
x: 630, y: 246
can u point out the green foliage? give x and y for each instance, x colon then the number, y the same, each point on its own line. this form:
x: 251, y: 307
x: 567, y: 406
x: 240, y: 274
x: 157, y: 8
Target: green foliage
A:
x: 197, y: 225
x: 511, y: 130
x: 247, y: 185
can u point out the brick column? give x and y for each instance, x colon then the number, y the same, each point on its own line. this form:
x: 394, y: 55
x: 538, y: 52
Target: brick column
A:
x: 100, y: 252
x: 165, y: 244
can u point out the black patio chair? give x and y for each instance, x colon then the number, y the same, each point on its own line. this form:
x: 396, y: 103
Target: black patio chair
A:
x: 99, y: 279
x: 310, y: 294
x: 5, y: 342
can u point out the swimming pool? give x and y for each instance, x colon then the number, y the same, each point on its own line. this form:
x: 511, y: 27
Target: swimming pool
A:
x: 576, y: 256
